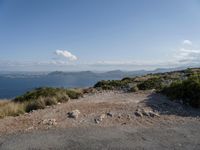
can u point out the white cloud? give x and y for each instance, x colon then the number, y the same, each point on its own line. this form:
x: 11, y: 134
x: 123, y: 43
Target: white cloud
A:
x: 129, y: 62
x: 187, y: 55
x: 187, y: 42
x: 66, y: 54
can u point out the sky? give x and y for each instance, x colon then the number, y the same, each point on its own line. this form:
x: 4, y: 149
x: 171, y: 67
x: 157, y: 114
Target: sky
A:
x: 73, y: 35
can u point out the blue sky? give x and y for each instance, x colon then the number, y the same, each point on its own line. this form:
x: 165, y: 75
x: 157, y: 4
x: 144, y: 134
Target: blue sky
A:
x: 47, y: 35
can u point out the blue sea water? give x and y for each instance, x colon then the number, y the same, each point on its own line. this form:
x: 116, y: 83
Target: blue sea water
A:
x: 15, y: 85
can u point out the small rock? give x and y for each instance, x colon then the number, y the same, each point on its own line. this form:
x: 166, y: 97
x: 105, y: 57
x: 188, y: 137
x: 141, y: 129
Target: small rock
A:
x: 96, y: 121
x: 139, y: 114
x: 49, y: 122
x: 124, y: 123
x: 119, y: 116
x: 153, y: 114
x: 102, y: 117
x: 30, y: 128
x: 129, y: 117
x: 74, y: 114
x: 59, y: 103
x: 179, y: 144
x: 109, y: 114
x: 145, y: 113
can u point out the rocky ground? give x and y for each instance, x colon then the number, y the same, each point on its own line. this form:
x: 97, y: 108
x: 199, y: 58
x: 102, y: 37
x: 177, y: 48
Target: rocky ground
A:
x: 141, y: 116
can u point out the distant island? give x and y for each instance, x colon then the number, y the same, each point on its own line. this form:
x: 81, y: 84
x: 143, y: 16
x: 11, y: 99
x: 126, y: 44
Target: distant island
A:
x: 16, y: 83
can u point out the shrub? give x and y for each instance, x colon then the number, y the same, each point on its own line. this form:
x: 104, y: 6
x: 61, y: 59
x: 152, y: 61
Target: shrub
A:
x: 134, y: 89
x: 37, y: 99
x: 104, y: 85
x: 174, y: 91
x: 42, y: 97
x: 40, y: 92
x: 49, y: 101
x: 59, y: 94
x: 74, y: 94
x: 34, y: 105
x: 89, y: 90
x: 188, y: 91
x: 63, y: 98
x: 128, y: 79
x: 151, y: 83
x: 113, y: 84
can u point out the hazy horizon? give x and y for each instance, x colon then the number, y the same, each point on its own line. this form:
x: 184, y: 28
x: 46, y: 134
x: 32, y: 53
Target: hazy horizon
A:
x: 96, y: 71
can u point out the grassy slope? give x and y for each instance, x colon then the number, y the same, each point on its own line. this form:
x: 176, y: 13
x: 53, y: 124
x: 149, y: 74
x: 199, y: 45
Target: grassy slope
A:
x: 37, y: 99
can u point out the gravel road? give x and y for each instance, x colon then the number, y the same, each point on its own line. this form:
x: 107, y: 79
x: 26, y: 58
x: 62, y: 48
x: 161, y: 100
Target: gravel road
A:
x: 125, y: 137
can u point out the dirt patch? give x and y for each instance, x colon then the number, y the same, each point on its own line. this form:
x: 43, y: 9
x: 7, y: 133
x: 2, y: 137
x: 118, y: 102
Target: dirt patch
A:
x: 121, y: 105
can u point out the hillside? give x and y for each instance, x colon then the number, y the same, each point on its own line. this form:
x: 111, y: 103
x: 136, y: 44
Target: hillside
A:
x: 182, y: 86
x: 134, y: 111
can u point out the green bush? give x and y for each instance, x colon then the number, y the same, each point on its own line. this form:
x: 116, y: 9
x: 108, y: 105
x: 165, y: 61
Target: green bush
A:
x: 49, y: 101
x: 34, y: 105
x: 63, y: 98
x: 74, y: 94
x: 59, y: 94
x: 151, y: 83
x: 40, y: 92
x: 37, y: 99
x: 134, y: 89
x: 42, y: 97
x: 187, y: 91
x: 112, y: 84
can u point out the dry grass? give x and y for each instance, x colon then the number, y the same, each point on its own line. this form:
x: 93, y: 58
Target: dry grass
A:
x: 37, y: 99
x: 9, y: 108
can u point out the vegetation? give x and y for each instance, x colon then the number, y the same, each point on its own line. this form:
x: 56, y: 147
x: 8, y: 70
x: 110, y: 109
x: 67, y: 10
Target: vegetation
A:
x: 112, y: 84
x: 151, y: 83
x: 181, y: 85
x: 187, y: 91
x: 9, y: 108
x: 132, y: 84
x: 134, y: 89
x: 37, y: 99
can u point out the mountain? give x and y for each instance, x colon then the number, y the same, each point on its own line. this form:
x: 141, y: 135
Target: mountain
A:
x: 16, y: 83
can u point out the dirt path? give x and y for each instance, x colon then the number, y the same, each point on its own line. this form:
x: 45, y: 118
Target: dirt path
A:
x: 144, y: 114
x: 183, y: 137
